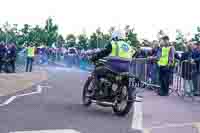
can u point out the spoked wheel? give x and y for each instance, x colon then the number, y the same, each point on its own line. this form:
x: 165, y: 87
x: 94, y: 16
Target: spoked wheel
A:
x: 123, y: 102
x: 88, y: 91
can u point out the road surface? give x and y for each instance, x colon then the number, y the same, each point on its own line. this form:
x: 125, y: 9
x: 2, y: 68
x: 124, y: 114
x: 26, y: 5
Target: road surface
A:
x: 57, y: 108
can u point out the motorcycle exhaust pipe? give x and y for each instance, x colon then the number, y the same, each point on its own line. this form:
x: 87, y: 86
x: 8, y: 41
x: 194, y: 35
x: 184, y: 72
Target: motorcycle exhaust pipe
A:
x: 103, y: 103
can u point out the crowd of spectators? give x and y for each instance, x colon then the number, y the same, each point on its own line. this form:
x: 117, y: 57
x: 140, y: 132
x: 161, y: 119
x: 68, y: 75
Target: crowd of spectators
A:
x: 187, y: 64
x: 8, y: 54
x: 188, y: 61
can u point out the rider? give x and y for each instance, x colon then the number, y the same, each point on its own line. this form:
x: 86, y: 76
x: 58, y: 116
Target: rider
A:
x: 118, y: 54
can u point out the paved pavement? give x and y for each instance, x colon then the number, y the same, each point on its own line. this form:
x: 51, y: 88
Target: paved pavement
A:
x: 58, y: 109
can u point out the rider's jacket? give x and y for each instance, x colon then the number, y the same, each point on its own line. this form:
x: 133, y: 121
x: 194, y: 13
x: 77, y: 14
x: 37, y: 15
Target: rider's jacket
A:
x: 119, y: 54
x: 121, y: 49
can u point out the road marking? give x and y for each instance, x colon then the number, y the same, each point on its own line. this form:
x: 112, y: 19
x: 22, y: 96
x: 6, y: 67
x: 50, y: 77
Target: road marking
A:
x: 50, y: 131
x: 38, y: 91
x: 146, y: 131
x: 8, y: 101
x: 197, y: 125
x: 45, y: 86
x: 137, y: 120
x: 172, y: 125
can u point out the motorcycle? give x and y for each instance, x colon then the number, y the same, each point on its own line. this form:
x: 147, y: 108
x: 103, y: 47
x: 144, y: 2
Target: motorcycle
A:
x: 116, y: 90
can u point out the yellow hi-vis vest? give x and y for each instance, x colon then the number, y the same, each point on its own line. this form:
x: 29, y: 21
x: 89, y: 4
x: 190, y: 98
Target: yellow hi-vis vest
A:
x: 164, y: 59
x: 121, y: 49
x: 31, y: 51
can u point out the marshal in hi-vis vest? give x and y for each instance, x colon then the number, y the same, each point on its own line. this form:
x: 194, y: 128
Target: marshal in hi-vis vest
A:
x: 31, y: 51
x: 164, y: 59
x: 121, y: 49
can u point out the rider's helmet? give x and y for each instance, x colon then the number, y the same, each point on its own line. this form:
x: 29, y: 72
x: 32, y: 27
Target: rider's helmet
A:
x: 117, y: 35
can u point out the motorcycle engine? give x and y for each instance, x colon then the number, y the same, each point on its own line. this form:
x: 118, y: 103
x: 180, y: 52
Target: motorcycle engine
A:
x: 105, y: 83
x: 105, y: 86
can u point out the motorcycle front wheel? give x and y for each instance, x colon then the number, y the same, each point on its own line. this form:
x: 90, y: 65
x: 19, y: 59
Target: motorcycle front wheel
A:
x: 123, y: 102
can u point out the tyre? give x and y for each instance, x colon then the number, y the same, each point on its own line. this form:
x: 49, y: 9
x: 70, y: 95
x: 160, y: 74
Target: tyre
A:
x: 88, y: 90
x: 127, y: 96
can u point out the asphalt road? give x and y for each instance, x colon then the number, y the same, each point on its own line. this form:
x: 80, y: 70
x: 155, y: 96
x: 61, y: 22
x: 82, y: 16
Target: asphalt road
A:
x: 58, y: 109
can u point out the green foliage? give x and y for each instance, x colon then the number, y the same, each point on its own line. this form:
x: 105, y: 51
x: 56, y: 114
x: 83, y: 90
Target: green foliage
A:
x: 197, y: 35
x: 83, y: 41
x: 46, y: 35
x: 51, y: 30
x: 71, y: 40
x: 93, y: 41
x: 60, y: 41
x: 180, y: 40
x: 131, y: 36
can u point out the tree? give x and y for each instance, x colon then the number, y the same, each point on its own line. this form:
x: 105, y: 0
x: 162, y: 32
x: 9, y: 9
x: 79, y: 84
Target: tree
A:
x: 38, y: 35
x: 60, y: 41
x: 127, y: 30
x: 51, y: 30
x: 132, y: 37
x: 197, y: 35
x: 93, y: 41
x: 2, y: 35
x: 180, y: 40
x: 71, y: 40
x: 99, y: 34
x: 105, y: 40
x: 82, y: 41
x: 112, y: 28
x: 23, y: 35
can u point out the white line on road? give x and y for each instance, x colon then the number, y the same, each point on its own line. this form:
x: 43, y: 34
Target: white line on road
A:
x: 8, y: 101
x: 50, y: 131
x: 38, y: 91
x: 173, y: 125
x: 137, y: 120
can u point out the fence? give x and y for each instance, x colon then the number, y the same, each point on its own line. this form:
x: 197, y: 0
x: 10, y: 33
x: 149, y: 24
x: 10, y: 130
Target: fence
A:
x: 185, y: 75
x: 184, y: 78
x: 45, y: 58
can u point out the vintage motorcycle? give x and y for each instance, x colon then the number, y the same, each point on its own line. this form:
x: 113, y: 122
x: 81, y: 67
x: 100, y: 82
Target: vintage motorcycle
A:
x: 116, y: 90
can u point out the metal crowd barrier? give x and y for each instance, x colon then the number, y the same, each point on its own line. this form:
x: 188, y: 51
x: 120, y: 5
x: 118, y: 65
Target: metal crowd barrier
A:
x: 185, y: 75
x: 181, y: 79
x: 188, y: 79
x: 146, y: 70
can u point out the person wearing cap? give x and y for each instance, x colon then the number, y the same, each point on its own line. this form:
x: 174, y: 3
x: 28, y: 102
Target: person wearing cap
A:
x: 166, y: 60
x: 30, y: 57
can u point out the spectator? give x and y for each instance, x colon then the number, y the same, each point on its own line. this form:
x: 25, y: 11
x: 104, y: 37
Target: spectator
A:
x: 154, y: 67
x: 166, y: 59
x: 30, y: 57
x: 12, y: 54
x: 196, y: 76
x: 187, y: 69
x: 2, y: 54
x: 7, y: 58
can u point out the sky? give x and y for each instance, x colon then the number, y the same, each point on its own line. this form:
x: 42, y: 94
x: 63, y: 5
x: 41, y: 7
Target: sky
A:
x: 74, y: 16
